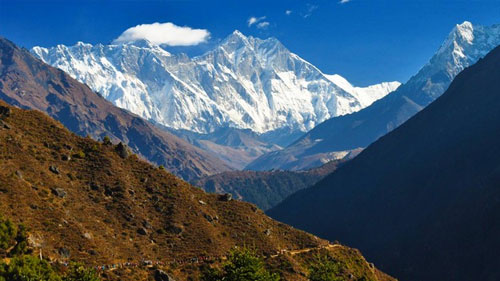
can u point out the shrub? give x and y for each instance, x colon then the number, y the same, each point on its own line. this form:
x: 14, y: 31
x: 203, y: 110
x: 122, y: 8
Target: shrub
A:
x: 326, y: 269
x: 106, y: 140
x: 242, y: 265
x: 78, y: 272
x: 8, y: 231
x: 27, y: 268
x: 80, y: 154
x: 12, y: 238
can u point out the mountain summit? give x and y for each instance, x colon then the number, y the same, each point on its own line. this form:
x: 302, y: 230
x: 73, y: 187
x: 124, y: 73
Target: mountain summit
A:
x: 243, y: 83
x: 465, y: 45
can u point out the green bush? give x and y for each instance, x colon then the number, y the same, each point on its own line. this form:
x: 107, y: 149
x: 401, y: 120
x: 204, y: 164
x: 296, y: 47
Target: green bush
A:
x: 326, y: 269
x: 12, y: 238
x: 80, y: 155
x: 78, y: 272
x: 106, y: 140
x: 242, y: 265
x: 27, y: 268
x: 8, y: 231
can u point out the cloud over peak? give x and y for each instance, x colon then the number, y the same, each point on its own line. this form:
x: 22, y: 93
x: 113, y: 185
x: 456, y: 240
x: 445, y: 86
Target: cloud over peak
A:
x: 164, y: 33
x: 258, y: 21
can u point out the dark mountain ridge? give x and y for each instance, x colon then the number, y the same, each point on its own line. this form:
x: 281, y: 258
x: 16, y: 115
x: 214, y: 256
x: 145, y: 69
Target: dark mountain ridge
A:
x: 423, y: 201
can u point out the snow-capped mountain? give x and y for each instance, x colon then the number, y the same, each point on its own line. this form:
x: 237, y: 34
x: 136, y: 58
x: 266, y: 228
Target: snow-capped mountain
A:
x: 243, y: 83
x: 464, y: 46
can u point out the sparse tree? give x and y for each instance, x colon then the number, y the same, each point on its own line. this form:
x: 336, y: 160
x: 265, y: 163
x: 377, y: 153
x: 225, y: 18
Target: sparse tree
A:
x: 242, y: 265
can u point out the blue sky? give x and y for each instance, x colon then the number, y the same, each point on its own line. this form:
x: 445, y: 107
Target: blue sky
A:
x: 366, y: 41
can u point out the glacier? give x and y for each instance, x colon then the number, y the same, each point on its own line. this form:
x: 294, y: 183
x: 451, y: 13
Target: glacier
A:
x: 243, y: 83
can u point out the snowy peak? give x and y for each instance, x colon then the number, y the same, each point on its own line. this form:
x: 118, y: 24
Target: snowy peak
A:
x: 244, y: 83
x: 465, y: 45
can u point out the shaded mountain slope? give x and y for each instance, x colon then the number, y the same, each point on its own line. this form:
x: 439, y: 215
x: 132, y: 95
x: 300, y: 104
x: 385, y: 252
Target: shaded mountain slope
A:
x: 424, y: 200
x: 465, y: 44
x: 264, y: 188
x: 29, y: 83
x: 91, y: 202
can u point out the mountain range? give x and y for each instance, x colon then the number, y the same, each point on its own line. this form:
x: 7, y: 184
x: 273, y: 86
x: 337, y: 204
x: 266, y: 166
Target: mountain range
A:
x: 28, y: 82
x: 424, y: 196
x: 465, y: 45
x: 244, y: 83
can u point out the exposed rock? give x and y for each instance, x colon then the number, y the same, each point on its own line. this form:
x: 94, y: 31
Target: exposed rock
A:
x: 267, y: 232
x: 146, y: 224
x: 161, y: 275
x: 4, y: 125
x: 175, y: 229
x: 54, y: 169
x: 202, y: 202
x: 122, y: 150
x: 59, y: 192
x: 142, y: 231
x: 4, y: 111
x: 208, y: 217
x: 19, y: 174
x: 226, y: 197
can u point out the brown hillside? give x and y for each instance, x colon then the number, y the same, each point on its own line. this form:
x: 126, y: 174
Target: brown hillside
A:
x: 90, y: 202
x: 30, y: 83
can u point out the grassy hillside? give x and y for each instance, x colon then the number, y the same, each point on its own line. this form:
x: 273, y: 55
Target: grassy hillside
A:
x: 96, y: 203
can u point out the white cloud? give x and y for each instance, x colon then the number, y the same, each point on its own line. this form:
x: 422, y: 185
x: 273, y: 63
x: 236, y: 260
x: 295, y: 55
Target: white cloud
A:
x: 165, y: 33
x: 263, y: 25
x: 253, y: 20
x: 288, y: 12
x: 310, y: 10
x: 344, y: 1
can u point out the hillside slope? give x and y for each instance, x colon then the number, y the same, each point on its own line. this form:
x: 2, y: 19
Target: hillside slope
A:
x: 424, y: 200
x: 465, y: 44
x: 264, y: 188
x: 95, y: 203
x: 29, y: 83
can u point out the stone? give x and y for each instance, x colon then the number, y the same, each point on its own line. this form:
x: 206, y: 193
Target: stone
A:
x: 208, y: 217
x: 161, y: 275
x: 146, y: 224
x: 175, y: 229
x: 226, y: 197
x: 5, y: 111
x: 122, y: 150
x: 54, y: 169
x: 267, y: 232
x: 59, y: 192
x: 142, y: 231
